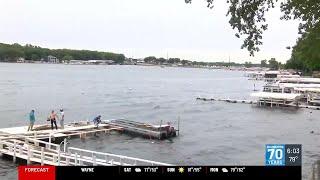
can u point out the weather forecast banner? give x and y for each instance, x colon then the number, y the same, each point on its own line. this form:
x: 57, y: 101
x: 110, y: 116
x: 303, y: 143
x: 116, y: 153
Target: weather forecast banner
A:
x: 281, y: 161
x: 102, y: 172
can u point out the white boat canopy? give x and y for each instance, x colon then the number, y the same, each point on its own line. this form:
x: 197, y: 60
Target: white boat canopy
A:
x: 284, y: 96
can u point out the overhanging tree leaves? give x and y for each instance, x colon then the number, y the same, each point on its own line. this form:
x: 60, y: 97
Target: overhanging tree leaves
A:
x: 248, y: 17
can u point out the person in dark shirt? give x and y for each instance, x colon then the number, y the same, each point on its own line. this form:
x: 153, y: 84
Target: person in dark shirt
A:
x: 97, y: 120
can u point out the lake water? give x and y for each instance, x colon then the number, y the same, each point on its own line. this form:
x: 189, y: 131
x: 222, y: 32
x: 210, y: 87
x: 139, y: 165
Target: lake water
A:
x: 212, y: 133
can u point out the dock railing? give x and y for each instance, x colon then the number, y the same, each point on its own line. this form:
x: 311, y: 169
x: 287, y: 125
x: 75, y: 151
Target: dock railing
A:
x: 113, y: 159
x: 43, y: 152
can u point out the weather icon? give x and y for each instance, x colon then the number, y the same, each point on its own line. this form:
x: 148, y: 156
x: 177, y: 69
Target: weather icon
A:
x: 181, y: 169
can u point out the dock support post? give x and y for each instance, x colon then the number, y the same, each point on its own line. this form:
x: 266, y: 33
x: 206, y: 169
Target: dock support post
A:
x: 20, y: 150
x: 121, y: 162
x: 42, y: 156
x: 80, y: 162
x: 159, y: 130
x: 106, y: 158
x: 76, y: 159
x: 67, y: 161
x: 49, y: 146
x: 111, y: 162
x: 54, y: 159
x: 59, y: 157
x: 29, y: 154
x: 178, y: 125
x: 14, y: 151
x: 94, y: 161
x: 65, y: 145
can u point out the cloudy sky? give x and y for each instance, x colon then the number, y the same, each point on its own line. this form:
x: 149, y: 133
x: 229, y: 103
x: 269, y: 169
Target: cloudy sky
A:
x: 139, y: 28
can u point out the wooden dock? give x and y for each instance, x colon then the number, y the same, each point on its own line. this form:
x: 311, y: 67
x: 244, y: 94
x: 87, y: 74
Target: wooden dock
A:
x: 162, y: 131
x: 37, y: 146
x: 262, y: 103
x: 229, y: 100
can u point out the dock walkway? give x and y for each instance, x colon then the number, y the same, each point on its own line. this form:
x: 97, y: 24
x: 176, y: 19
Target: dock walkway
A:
x: 37, y: 146
x: 261, y: 103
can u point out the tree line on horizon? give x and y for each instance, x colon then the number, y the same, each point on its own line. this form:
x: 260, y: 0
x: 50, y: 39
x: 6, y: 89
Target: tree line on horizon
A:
x: 184, y: 62
x: 11, y: 53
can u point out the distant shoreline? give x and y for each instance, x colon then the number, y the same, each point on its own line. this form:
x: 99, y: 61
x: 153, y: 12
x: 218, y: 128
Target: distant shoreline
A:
x: 146, y: 65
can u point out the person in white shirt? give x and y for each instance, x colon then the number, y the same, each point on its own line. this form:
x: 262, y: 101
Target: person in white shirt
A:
x: 62, y: 118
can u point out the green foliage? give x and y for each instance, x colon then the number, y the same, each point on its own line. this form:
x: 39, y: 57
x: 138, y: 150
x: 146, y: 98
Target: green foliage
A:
x: 306, y: 53
x: 150, y: 59
x: 273, y: 64
x: 247, y: 64
x: 263, y: 63
x: 67, y: 58
x: 29, y: 52
x: 248, y: 17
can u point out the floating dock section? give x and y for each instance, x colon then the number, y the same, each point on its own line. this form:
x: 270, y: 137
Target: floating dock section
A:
x: 162, y: 131
x: 262, y: 102
x: 229, y: 100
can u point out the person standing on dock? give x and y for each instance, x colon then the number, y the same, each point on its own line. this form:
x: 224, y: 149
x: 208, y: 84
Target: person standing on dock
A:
x: 97, y: 121
x: 62, y: 119
x: 53, y: 117
x: 32, y: 119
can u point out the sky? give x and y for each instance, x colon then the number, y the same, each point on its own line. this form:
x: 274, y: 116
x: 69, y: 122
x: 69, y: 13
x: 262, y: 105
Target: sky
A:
x: 140, y: 28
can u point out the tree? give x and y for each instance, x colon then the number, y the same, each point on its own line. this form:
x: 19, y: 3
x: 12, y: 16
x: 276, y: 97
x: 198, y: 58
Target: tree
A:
x: 273, y: 64
x: 35, y: 57
x: 263, y: 63
x: 67, y: 58
x: 248, y: 17
x: 306, y: 53
x: 247, y: 64
x: 184, y: 62
x: 150, y: 59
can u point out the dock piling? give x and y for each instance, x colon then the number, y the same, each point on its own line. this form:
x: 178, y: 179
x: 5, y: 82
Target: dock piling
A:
x: 159, y: 130
x: 106, y: 158
x: 54, y: 159
x: 65, y: 145
x: 42, y: 156
x: 94, y: 161
x: 59, y: 157
x: 49, y: 146
x: 76, y: 160
x: 20, y: 150
x: 178, y: 125
x: 29, y: 154
x: 14, y: 151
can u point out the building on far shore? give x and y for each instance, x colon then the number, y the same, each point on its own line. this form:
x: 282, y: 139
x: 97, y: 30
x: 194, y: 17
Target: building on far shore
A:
x: 102, y: 62
x: 52, y: 59
x: 20, y: 60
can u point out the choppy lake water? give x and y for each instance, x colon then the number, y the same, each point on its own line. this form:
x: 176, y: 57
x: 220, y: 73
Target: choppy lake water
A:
x: 212, y: 133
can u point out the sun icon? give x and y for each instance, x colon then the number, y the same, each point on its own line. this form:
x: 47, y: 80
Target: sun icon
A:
x: 181, y: 169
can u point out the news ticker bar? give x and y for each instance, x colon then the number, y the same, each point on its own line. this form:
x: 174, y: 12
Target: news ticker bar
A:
x: 101, y: 172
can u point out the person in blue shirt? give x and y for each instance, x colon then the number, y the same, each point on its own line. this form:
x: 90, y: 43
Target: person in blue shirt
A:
x: 97, y: 120
x: 32, y: 119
